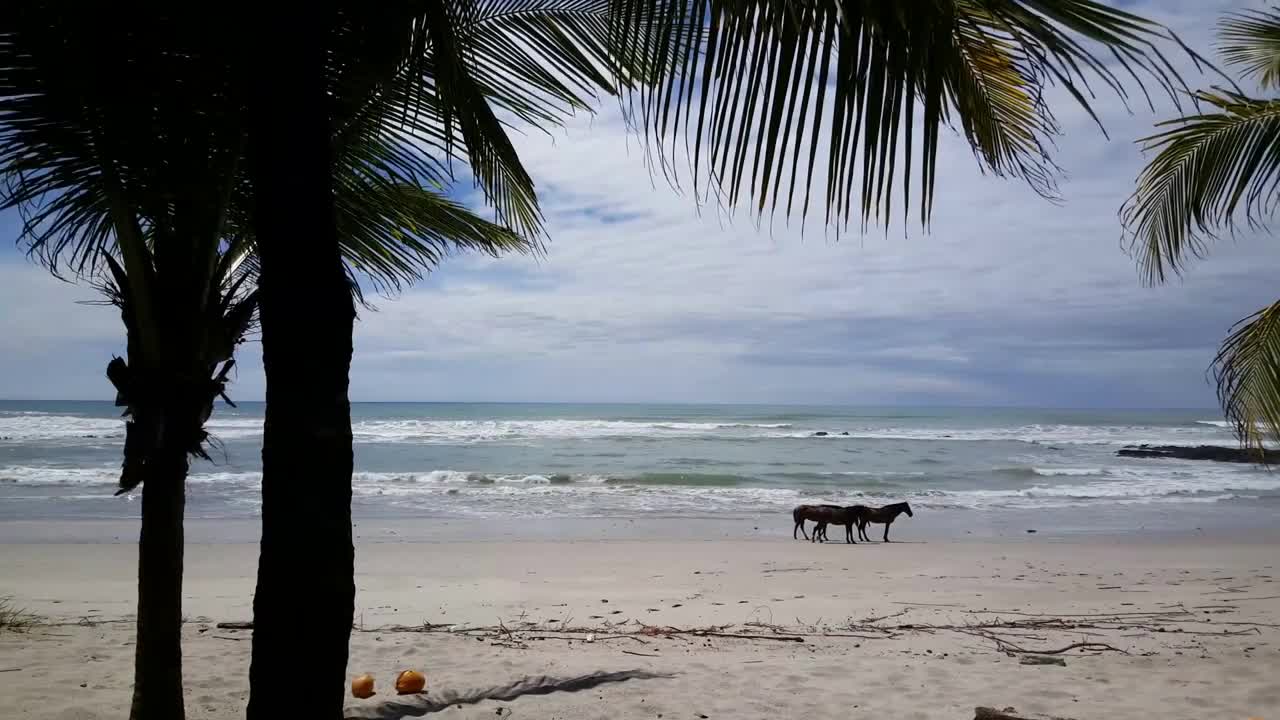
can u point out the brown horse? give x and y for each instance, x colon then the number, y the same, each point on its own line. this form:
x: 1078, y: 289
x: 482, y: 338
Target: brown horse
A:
x: 824, y: 515
x: 808, y: 512
x: 883, y: 516
x: 852, y: 515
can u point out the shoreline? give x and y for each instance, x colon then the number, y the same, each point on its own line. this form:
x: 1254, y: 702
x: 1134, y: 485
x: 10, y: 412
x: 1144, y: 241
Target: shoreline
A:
x: 1171, y: 522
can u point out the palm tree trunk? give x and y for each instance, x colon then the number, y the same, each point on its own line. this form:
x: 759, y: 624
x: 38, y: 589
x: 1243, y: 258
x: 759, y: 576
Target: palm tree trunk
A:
x: 157, y: 682
x: 305, y: 599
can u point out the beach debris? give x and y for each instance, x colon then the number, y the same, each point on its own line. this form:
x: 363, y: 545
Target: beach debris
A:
x: 410, y: 682
x: 591, y: 637
x: 423, y: 704
x: 986, y: 713
x: 1011, y: 632
x: 234, y: 626
x: 362, y: 686
x: 1042, y: 660
x: 1031, y: 532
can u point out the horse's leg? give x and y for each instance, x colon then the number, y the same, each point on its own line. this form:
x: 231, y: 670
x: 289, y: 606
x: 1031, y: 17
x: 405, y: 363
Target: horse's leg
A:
x: 799, y: 526
x: 886, y: 530
x: 862, y: 530
x: 848, y: 534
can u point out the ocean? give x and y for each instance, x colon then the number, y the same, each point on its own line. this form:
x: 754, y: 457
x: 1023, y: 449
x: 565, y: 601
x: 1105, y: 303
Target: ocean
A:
x: 60, y: 460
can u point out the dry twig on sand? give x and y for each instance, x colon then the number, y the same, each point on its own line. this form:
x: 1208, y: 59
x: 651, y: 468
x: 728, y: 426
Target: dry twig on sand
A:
x: 1012, y: 632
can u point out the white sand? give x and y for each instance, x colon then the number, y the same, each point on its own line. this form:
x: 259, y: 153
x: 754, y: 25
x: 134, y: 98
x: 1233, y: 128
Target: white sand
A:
x: 693, y: 584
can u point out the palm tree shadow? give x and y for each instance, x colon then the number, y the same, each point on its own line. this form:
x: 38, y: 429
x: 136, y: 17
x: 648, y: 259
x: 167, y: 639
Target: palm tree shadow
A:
x: 419, y: 705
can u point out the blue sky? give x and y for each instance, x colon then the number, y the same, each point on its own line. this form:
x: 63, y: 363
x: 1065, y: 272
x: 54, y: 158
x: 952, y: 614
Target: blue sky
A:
x: 644, y: 297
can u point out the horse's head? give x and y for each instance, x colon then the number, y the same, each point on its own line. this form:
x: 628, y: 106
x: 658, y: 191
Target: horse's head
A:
x: 906, y: 508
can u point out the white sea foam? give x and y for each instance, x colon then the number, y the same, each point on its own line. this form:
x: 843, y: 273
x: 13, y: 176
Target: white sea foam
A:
x: 481, y: 431
x: 56, y: 476
x: 1067, y: 472
x: 463, y: 493
x: 30, y: 426
x: 40, y: 426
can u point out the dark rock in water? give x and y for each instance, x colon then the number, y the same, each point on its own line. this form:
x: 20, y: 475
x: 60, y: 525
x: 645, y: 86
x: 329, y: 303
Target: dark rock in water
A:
x: 1215, y: 453
x: 846, y: 432
x: 821, y: 433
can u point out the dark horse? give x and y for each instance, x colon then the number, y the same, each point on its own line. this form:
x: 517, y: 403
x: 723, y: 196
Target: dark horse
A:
x: 823, y: 515
x: 808, y: 512
x: 883, y: 515
x: 852, y: 516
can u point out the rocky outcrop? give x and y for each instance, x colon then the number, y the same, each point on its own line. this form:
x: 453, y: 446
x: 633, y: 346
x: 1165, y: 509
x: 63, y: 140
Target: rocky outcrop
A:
x: 1216, y: 453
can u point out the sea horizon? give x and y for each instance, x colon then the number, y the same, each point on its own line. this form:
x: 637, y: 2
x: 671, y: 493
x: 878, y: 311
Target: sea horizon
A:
x: 847, y: 406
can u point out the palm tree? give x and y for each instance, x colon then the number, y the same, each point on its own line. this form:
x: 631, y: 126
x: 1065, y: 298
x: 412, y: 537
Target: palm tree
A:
x: 121, y: 142
x: 742, y: 96
x: 1210, y: 169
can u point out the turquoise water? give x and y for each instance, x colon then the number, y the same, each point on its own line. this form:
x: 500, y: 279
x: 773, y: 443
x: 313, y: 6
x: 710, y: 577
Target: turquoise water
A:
x: 60, y: 460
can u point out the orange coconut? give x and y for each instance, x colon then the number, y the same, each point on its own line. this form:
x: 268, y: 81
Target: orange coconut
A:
x: 362, y: 687
x: 410, y: 682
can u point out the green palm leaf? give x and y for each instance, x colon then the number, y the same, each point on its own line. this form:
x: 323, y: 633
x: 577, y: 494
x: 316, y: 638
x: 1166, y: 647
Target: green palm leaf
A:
x: 1207, y: 167
x: 443, y: 81
x: 740, y: 90
x: 1247, y: 370
x: 1250, y: 41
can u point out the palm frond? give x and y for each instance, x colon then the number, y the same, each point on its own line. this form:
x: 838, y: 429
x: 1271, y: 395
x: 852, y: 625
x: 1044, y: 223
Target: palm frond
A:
x: 391, y: 231
x: 1247, y: 371
x: 1250, y: 41
x: 888, y: 76
x: 1207, y: 167
x: 452, y: 76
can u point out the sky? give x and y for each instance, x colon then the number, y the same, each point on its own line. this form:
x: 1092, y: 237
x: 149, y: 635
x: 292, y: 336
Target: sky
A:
x: 643, y: 296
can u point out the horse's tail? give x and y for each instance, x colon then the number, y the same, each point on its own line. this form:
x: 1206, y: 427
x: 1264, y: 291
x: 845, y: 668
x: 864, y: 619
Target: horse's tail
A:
x: 797, y: 515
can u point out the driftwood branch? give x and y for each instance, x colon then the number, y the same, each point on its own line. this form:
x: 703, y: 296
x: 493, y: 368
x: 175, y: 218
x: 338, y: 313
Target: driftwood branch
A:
x: 986, y: 713
x: 743, y: 636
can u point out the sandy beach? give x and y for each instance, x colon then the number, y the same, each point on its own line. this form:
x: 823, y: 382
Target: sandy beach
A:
x: 1178, y: 628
